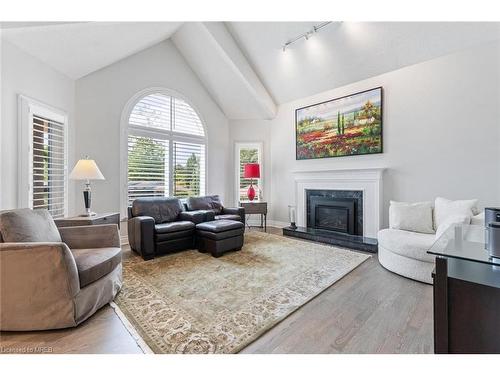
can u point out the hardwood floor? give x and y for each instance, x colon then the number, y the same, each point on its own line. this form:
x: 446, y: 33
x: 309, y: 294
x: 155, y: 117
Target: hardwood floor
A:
x: 370, y: 310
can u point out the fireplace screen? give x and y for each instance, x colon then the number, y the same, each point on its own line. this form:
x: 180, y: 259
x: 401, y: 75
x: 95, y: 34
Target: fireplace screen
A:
x: 332, y: 218
x: 335, y: 214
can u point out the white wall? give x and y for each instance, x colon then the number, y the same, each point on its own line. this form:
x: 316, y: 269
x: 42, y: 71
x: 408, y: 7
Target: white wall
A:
x: 24, y: 74
x: 101, y: 98
x: 441, y: 133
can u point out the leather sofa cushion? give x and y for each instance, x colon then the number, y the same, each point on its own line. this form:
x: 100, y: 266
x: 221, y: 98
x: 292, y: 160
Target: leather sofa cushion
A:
x: 408, y: 244
x: 161, y: 209
x: 228, y: 217
x: 219, y: 226
x: 92, y: 264
x: 162, y: 237
x: 175, y: 226
x: 209, y: 202
x: 27, y: 225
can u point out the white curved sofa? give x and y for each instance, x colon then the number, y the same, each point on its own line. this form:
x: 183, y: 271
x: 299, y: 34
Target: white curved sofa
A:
x: 405, y: 253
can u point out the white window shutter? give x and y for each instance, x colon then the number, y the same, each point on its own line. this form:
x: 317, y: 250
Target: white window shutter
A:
x: 48, y: 161
x: 189, y: 169
x: 166, y: 149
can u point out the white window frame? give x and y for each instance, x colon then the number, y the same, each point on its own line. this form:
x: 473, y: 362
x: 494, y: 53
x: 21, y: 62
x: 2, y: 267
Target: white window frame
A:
x: 243, y: 145
x: 172, y: 136
x: 27, y: 107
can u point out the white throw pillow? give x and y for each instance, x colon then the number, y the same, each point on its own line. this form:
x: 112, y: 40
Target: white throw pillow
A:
x: 444, y: 208
x: 450, y: 221
x: 414, y: 217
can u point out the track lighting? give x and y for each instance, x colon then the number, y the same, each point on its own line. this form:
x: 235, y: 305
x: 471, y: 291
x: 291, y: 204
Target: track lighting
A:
x: 306, y: 35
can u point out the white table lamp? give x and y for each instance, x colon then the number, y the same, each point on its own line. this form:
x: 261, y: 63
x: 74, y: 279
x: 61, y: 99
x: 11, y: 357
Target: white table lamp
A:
x: 86, y: 169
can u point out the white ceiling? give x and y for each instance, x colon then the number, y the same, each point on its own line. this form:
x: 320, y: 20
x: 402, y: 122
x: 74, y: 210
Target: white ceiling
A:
x: 347, y: 52
x: 247, y: 69
x: 77, y: 49
x: 224, y: 71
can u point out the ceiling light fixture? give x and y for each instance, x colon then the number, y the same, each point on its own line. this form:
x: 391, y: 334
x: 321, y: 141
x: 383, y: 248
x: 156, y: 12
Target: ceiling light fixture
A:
x: 306, y: 35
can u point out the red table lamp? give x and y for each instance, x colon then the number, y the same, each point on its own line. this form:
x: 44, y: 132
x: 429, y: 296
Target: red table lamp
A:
x: 251, y: 171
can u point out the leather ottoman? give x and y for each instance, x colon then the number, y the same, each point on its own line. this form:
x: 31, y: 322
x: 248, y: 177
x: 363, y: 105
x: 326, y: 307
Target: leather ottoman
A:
x: 219, y: 236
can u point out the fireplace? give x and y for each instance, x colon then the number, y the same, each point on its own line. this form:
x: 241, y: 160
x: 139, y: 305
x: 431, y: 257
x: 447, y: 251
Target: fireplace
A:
x: 333, y: 214
x: 335, y: 210
x: 334, y: 217
x: 338, y: 224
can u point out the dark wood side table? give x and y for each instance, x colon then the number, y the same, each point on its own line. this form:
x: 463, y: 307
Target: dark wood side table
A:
x: 104, y: 218
x: 466, y: 293
x: 259, y: 208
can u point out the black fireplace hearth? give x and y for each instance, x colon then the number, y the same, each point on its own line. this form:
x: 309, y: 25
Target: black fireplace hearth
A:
x: 335, y: 217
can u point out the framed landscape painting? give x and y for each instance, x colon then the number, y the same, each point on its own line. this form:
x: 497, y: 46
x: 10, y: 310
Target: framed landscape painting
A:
x: 350, y: 125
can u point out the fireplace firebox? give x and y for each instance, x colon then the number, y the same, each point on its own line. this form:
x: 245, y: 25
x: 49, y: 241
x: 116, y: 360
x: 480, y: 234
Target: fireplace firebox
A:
x: 333, y: 214
x: 339, y: 211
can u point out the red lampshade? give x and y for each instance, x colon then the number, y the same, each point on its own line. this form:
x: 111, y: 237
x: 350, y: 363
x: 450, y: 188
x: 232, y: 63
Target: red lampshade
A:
x: 252, y: 170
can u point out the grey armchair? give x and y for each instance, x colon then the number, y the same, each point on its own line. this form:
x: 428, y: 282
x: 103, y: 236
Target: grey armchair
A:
x: 54, y: 278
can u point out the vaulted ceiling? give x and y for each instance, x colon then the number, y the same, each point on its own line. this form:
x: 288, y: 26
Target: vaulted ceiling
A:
x: 347, y: 52
x: 80, y: 48
x: 242, y: 64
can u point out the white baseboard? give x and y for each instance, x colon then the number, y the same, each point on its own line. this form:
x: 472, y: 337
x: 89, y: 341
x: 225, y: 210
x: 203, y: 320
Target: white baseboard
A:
x: 123, y: 240
x: 270, y: 223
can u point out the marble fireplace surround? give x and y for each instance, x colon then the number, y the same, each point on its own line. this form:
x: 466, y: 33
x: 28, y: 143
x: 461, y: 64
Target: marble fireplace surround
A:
x: 367, y: 180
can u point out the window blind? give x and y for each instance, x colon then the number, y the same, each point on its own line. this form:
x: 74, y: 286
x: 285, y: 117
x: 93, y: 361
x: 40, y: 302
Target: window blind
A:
x: 185, y: 119
x: 189, y: 169
x: 166, y: 151
x: 148, y: 172
x: 152, y: 111
x: 48, y: 175
x: 247, y: 155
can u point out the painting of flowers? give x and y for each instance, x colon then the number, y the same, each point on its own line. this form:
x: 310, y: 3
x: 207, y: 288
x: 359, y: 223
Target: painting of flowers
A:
x: 351, y: 125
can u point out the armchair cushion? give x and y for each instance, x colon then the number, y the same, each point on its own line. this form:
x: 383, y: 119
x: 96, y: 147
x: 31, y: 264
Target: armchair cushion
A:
x: 27, y: 225
x: 92, y: 264
x: 161, y: 209
x: 209, y: 202
x: 176, y: 226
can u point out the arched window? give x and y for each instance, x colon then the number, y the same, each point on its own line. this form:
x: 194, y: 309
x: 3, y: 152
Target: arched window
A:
x: 165, y: 148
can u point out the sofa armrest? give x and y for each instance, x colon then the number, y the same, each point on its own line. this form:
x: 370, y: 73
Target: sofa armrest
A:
x: 38, y: 282
x: 141, y: 231
x: 209, y: 215
x: 235, y: 211
x: 196, y: 217
x: 91, y: 236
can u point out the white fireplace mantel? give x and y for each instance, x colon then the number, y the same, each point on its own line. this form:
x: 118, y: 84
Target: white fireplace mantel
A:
x: 367, y: 180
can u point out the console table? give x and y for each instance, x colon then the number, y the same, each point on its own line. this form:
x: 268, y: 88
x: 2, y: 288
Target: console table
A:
x: 104, y: 218
x: 259, y: 208
x: 466, y: 293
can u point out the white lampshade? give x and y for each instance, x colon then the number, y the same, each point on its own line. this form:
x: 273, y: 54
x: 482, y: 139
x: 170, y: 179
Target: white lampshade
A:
x: 86, y: 169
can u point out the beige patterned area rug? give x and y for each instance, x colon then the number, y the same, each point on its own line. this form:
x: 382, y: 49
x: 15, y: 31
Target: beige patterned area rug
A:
x: 190, y: 302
